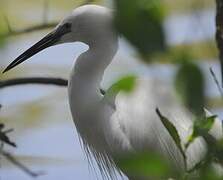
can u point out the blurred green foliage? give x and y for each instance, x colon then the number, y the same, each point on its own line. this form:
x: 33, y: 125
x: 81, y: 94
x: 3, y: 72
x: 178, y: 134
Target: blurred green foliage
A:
x: 149, y: 165
x: 125, y: 84
x: 201, y: 128
x: 190, y: 84
x: 141, y: 24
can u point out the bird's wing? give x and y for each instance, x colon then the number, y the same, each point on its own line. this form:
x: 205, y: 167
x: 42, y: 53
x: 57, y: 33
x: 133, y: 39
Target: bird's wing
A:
x: 138, y: 127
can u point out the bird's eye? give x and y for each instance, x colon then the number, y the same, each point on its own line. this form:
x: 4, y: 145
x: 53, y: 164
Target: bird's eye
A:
x: 67, y: 25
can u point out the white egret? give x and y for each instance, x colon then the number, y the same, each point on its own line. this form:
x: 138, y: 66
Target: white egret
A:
x: 125, y: 124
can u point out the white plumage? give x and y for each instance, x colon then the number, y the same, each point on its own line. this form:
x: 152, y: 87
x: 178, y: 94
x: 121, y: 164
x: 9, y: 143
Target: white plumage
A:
x: 133, y: 124
x: 127, y: 123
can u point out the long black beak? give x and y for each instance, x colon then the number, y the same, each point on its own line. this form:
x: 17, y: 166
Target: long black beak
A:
x: 49, y: 40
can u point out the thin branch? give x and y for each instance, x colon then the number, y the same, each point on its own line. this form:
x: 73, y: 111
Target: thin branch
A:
x: 219, y: 32
x: 216, y: 81
x: 44, y: 25
x: 3, y: 136
x: 38, y: 80
x: 10, y: 158
x: 33, y: 80
x: 39, y: 27
x: 4, y: 139
x: 8, y: 24
x: 31, y: 29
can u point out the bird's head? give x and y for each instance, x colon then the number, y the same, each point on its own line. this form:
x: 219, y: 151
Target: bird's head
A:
x: 88, y: 24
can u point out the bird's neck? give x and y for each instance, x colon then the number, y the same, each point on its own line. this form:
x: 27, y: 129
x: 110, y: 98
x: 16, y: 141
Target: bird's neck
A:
x: 88, y: 72
x: 84, y: 94
x: 90, y: 66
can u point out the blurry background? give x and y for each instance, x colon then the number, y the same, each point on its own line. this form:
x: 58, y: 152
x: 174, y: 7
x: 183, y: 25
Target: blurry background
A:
x: 44, y: 130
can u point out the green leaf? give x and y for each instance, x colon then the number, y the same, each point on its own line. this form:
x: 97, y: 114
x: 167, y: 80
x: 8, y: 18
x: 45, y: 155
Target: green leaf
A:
x: 125, y: 84
x: 189, y: 84
x: 173, y: 133
x: 144, y: 165
x: 141, y: 23
x: 201, y: 128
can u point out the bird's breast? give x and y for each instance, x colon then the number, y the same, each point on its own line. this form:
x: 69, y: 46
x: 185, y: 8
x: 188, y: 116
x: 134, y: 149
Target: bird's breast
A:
x: 86, y: 108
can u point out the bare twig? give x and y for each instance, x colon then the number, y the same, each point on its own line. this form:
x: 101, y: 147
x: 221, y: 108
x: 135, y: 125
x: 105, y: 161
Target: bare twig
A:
x: 4, y: 139
x: 33, y: 80
x: 10, y: 158
x: 44, y: 25
x: 8, y: 24
x: 219, y: 32
x: 216, y: 81
x: 39, y: 27
x: 37, y: 80
x: 31, y: 29
x: 3, y: 136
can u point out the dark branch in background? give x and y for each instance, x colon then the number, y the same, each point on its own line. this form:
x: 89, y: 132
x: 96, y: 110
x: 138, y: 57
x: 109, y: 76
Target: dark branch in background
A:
x: 37, y: 80
x: 7, y: 23
x: 3, y: 136
x: 10, y: 158
x: 31, y: 29
x: 4, y: 139
x: 216, y: 81
x: 44, y: 25
x: 219, y: 32
x: 33, y: 80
